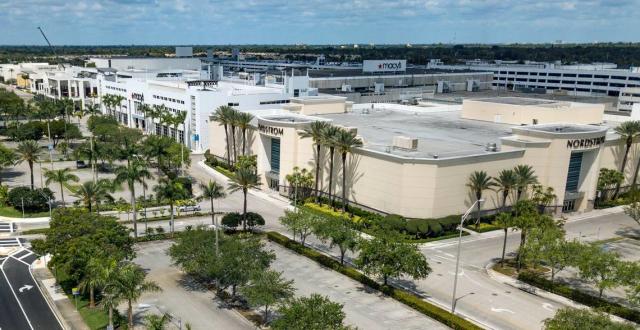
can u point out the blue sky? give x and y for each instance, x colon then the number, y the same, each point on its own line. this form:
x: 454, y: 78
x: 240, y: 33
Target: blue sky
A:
x: 317, y: 21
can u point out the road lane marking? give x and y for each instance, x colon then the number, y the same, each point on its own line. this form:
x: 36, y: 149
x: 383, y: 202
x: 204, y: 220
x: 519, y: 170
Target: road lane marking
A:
x: 502, y: 310
x: 15, y: 295
x: 548, y: 306
x: 25, y: 287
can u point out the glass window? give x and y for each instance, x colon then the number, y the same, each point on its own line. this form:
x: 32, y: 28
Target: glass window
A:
x: 275, y: 155
x: 573, y: 175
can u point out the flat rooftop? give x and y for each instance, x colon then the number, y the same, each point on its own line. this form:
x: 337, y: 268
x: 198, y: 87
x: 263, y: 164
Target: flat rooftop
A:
x: 440, y: 132
x: 517, y: 100
x: 329, y: 73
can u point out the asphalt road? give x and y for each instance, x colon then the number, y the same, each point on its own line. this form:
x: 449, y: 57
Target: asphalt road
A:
x: 22, y: 304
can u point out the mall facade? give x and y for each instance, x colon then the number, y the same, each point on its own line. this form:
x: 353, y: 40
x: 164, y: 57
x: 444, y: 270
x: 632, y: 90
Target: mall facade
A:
x: 416, y: 161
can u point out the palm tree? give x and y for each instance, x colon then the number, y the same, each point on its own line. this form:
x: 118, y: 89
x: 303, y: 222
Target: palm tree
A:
x: 244, y: 179
x: 315, y: 131
x: 233, y: 122
x: 222, y: 116
x: 176, y: 121
x: 156, y: 322
x: 329, y: 140
x: 92, y: 193
x: 345, y: 142
x: 29, y: 151
x: 108, y: 102
x: 156, y: 147
x: 505, y: 182
x: 133, y: 172
x: 62, y: 176
x: 158, y: 112
x: 628, y: 130
x: 212, y: 190
x: 109, y: 283
x: 526, y: 177
x: 131, y: 284
x: 504, y: 220
x: 171, y: 190
x: 478, y: 182
x: 146, y: 111
x: 94, y: 277
x: 117, y: 100
x: 244, y: 119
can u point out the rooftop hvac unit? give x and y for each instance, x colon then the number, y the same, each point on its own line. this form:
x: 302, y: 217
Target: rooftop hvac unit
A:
x: 473, y: 86
x: 404, y: 142
x: 443, y: 87
x: 351, y: 129
x: 345, y: 88
x: 491, y: 147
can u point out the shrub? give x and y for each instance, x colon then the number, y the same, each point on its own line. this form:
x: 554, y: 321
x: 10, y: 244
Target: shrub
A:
x: 326, y: 210
x: 393, y: 222
x: 254, y: 219
x: 34, y: 200
x: 232, y: 220
x: 580, y: 296
x: 33, y: 130
x: 435, y: 228
x: 401, y: 295
x: 413, y: 228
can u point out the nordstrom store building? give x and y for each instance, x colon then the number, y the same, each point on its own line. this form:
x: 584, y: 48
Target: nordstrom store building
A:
x: 416, y: 161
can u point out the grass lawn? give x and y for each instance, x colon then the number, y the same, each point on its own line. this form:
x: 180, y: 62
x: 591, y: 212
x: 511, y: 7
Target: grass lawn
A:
x: 10, y: 211
x: 95, y: 318
x: 510, y: 268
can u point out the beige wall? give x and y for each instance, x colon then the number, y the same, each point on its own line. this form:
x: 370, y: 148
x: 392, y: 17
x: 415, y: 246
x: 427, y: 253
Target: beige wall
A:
x: 435, y: 188
x: 561, y: 112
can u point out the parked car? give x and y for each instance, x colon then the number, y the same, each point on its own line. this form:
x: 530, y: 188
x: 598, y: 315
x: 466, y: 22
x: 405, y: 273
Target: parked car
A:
x: 189, y: 208
x: 81, y: 164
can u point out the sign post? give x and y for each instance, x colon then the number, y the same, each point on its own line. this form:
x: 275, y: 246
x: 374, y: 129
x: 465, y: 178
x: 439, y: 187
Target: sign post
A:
x: 75, y: 292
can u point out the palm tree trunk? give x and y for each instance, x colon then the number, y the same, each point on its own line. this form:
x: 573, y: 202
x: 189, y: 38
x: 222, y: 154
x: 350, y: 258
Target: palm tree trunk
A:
x: 331, y: 151
x: 110, y: 317
x: 130, y: 314
x: 213, y: 222
x: 133, y: 210
x: 317, y: 192
x: 31, y: 173
x: 244, y: 141
x: 226, y: 133
x: 478, y: 198
x: 635, y: 176
x: 62, y: 193
x: 92, y: 301
x: 504, y: 247
x: 233, y: 142
x: 172, y: 220
x: 244, y: 210
x: 344, y: 182
x: 622, y: 167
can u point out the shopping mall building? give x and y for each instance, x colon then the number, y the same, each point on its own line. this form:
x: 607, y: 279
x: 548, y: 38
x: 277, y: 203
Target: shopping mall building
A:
x: 416, y: 161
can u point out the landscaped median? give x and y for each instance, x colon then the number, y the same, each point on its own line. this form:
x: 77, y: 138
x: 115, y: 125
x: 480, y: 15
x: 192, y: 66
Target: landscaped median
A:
x: 580, y: 296
x: 400, y: 295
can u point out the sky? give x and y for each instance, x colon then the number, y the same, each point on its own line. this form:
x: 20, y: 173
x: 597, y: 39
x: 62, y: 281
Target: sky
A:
x: 217, y: 22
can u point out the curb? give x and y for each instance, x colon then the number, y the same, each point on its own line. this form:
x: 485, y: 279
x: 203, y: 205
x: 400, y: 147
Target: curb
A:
x: 534, y: 290
x: 50, y: 301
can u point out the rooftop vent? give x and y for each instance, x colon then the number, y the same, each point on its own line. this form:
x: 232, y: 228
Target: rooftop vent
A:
x: 491, y: 147
x: 404, y: 142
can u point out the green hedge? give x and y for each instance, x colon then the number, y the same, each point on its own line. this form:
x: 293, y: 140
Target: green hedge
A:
x: 580, y: 296
x: 400, y: 295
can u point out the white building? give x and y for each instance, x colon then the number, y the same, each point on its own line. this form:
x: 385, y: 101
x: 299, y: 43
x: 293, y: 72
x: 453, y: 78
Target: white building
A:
x: 183, y: 91
x: 628, y: 97
x: 146, y: 63
x: 596, y: 79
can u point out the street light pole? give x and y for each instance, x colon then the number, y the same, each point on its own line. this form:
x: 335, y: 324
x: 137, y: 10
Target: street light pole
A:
x: 455, y: 275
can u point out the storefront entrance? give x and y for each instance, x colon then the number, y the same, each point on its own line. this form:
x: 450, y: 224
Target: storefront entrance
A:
x: 573, y: 180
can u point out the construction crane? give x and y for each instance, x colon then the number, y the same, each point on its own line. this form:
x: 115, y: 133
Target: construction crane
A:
x: 52, y: 49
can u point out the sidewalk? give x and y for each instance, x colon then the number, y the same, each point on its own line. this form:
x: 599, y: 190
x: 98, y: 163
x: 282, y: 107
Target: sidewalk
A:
x: 71, y: 318
x: 277, y: 199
